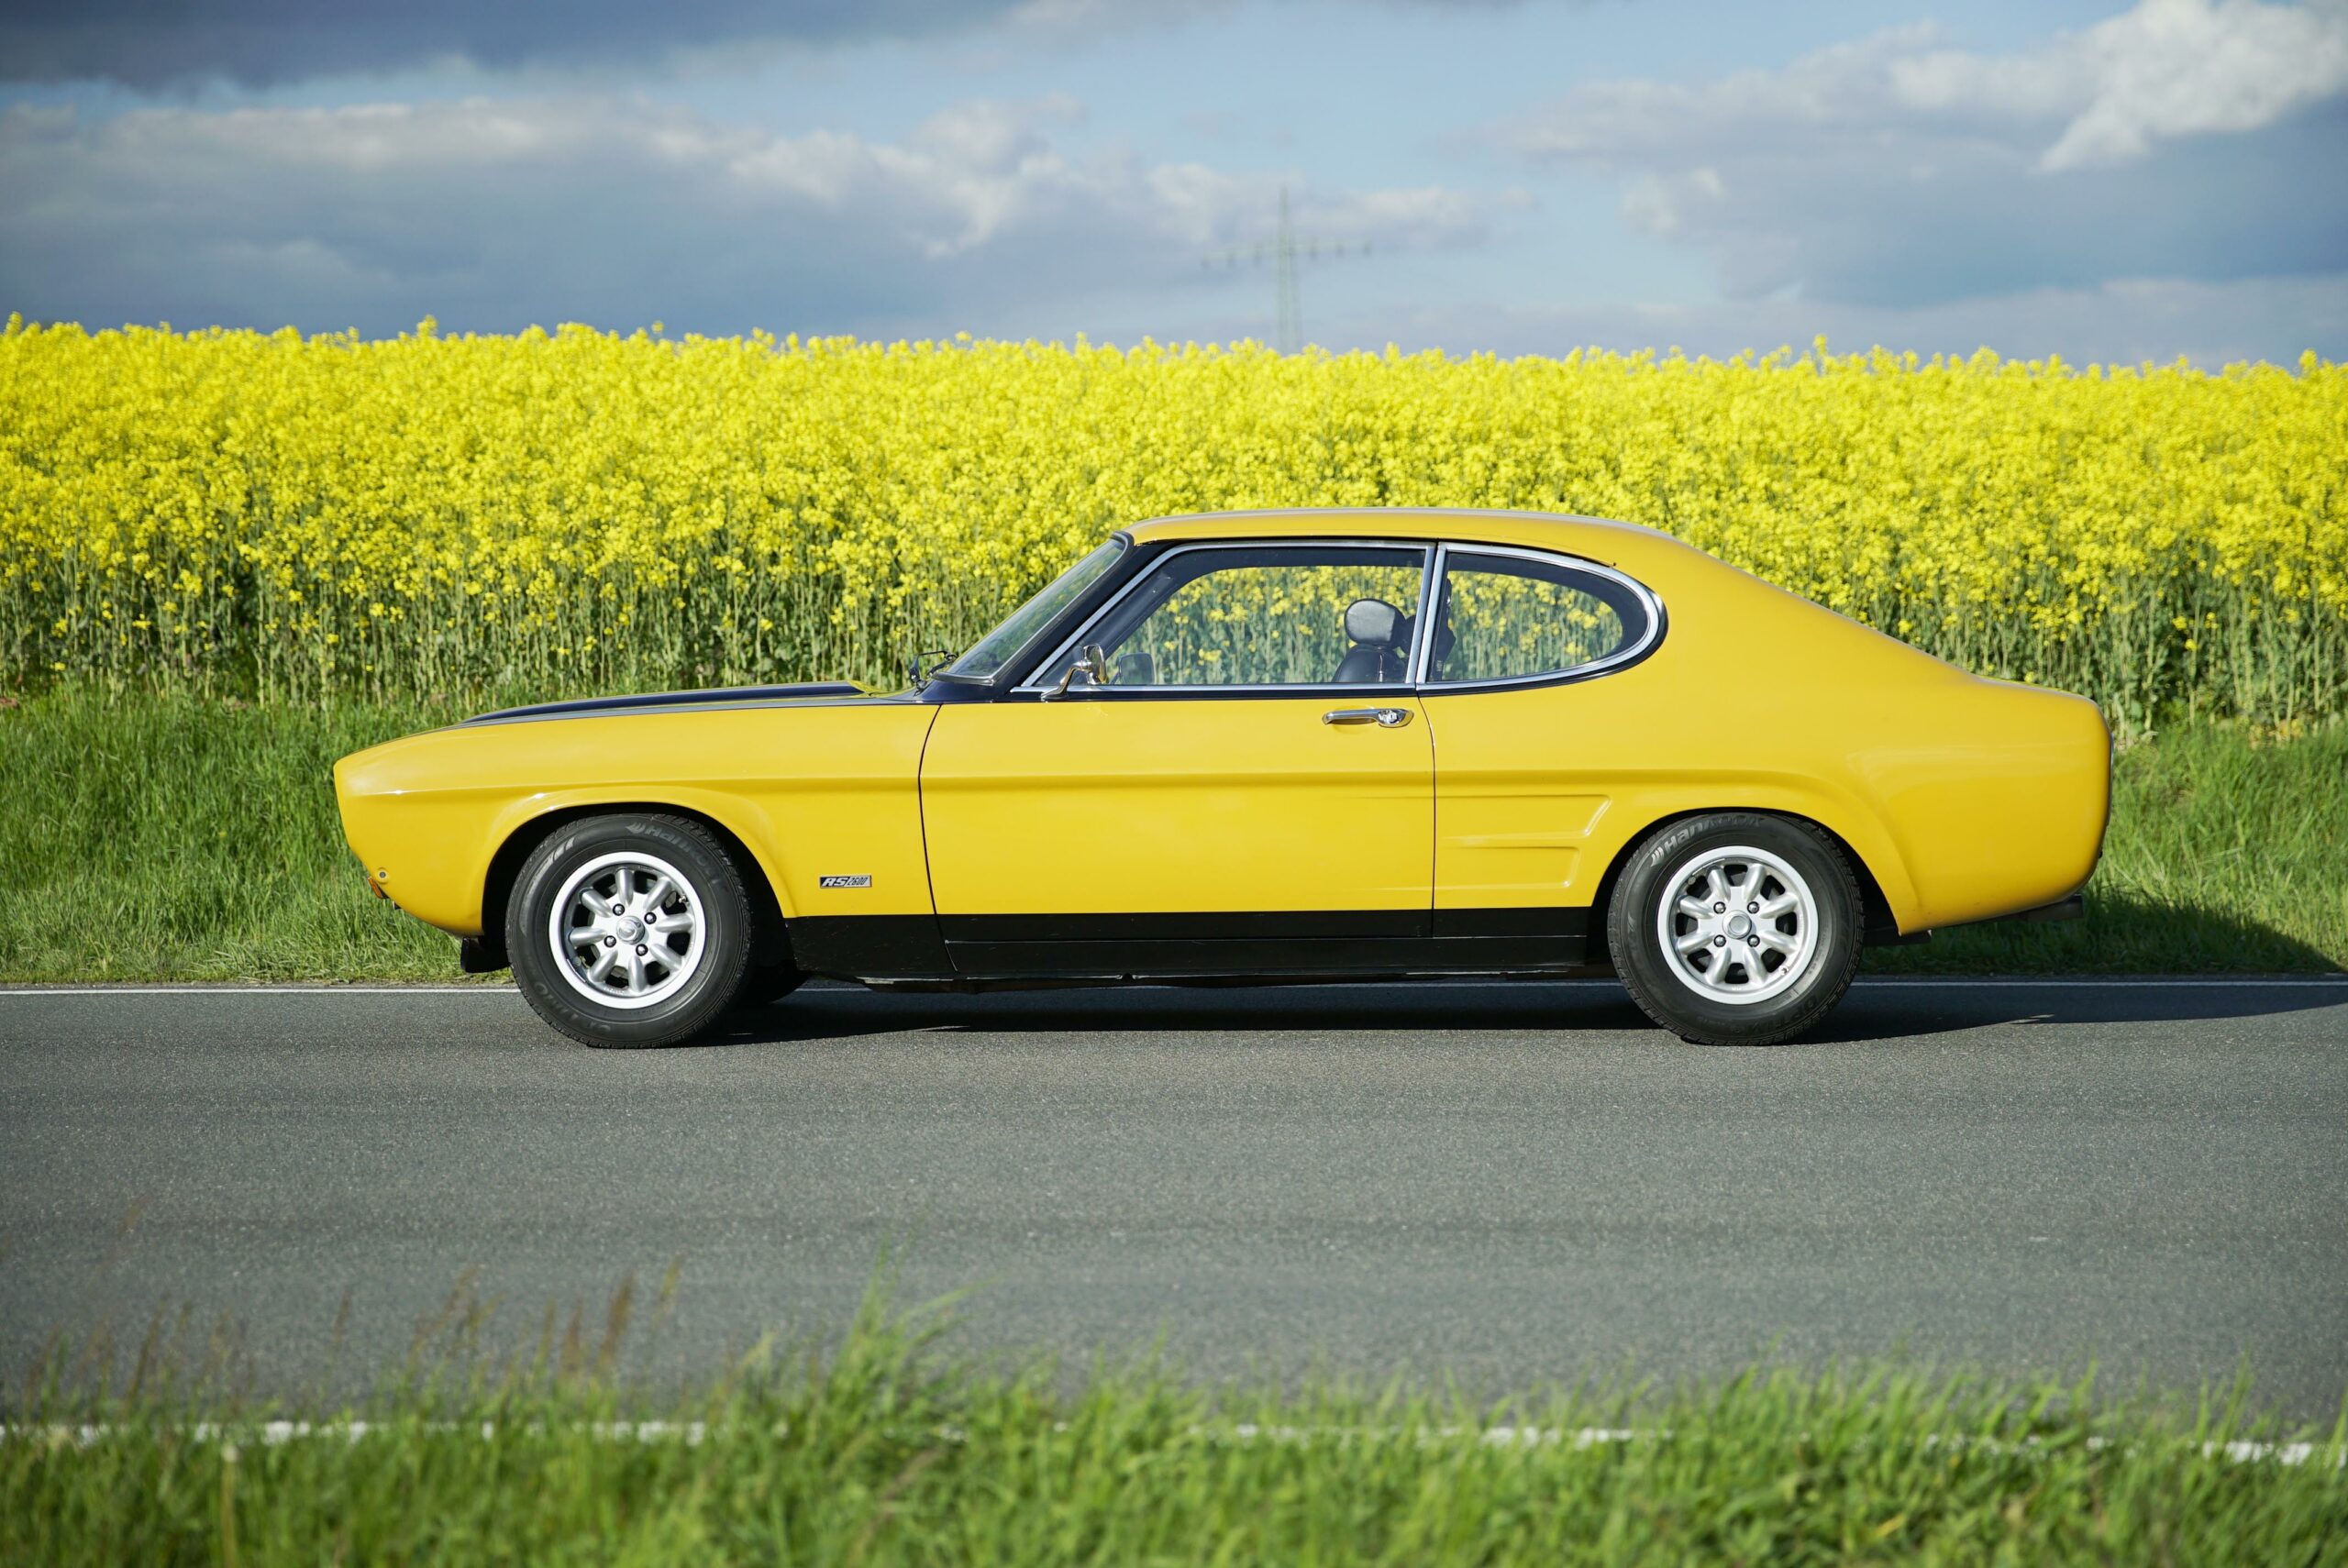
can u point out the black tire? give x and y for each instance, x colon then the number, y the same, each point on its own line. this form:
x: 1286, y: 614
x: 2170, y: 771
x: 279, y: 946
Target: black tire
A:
x: 1696, y: 1011
x: 767, y: 984
x: 709, y: 983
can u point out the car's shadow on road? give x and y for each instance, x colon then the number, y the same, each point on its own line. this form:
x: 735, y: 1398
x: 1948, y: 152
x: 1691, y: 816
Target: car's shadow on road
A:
x: 1874, y: 1011
x: 1892, y: 1009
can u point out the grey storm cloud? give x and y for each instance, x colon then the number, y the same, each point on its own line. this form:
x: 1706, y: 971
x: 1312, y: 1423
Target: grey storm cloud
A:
x: 150, y: 44
x: 494, y: 214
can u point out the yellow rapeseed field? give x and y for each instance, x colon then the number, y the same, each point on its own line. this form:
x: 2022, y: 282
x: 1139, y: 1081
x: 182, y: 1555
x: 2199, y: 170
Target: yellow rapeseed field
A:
x: 543, y: 514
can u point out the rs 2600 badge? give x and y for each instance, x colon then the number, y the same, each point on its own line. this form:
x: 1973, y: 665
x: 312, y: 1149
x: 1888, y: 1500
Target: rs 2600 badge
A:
x: 861, y: 879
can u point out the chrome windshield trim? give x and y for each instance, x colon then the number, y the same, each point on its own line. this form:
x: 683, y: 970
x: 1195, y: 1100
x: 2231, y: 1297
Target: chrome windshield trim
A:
x: 1122, y: 538
x: 1426, y: 549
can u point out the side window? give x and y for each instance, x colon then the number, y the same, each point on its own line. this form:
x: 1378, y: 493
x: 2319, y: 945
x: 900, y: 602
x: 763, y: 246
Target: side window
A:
x: 1262, y: 615
x: 1505, y: 618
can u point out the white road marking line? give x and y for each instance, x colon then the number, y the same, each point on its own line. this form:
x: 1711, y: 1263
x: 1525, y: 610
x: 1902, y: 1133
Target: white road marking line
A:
x: 2096, y: 982
x: 1879, y: 982
x: 238, y: 988
x: 268, y: 1435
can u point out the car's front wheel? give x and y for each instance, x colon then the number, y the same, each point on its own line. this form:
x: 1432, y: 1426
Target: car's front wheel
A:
x: 767, y: 984
x: 629, y: 930
x: 1736, y: 928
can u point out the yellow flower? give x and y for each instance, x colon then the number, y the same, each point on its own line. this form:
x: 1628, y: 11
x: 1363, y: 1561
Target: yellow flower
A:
x: 554, y: 508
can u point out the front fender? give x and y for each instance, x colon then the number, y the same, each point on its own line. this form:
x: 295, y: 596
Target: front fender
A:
x: 431, y: 850
x: 809, y: 791
x: 741, y: 819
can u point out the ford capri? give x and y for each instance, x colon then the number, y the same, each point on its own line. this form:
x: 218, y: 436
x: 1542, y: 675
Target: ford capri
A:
x: 1355, y: 745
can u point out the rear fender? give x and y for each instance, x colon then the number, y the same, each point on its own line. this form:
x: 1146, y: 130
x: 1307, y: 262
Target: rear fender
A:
x: 1625, y: 825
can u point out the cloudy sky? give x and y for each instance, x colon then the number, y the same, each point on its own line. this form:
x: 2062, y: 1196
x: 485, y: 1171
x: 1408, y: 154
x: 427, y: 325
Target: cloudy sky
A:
x: 2110, y: 182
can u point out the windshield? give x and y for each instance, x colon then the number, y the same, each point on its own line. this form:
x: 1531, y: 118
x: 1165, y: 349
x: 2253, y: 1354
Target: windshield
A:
x: 1002, y: 646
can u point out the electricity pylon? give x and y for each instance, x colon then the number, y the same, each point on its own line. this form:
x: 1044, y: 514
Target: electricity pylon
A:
x: 1284, y: 250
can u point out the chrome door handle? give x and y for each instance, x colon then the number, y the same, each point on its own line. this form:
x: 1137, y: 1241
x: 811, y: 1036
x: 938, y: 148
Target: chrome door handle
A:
x: 1384, y: 718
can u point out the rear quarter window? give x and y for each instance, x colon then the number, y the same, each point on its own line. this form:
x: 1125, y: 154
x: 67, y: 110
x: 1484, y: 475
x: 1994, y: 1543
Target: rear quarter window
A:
x: 1520, y: 618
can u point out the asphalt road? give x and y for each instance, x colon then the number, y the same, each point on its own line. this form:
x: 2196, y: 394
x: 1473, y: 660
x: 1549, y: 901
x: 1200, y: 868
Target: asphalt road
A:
x: 1508, y: 1183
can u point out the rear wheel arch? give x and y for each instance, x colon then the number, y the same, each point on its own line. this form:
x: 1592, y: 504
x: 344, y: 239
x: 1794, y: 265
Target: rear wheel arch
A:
x: 770, y: 943
x: 1877, y: 919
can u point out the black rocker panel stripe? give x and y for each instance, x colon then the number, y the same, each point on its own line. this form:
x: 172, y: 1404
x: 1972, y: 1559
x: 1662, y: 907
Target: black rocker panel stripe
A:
x: 1203, y: 926
x: 1334, y: 941
x: 1563, y: 923
x: 1266, y: 956
x: 861, y: 947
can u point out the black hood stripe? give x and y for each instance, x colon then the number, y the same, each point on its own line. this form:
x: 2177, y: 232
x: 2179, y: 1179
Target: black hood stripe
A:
x: 661, y: 702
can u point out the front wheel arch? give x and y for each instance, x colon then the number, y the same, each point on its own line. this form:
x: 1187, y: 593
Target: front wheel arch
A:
x: 770, y: 943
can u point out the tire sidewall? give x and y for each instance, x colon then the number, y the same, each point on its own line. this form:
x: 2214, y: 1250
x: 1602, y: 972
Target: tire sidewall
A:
x: 1637, y: 949
x: 725, y: 931
x: 764, y: 985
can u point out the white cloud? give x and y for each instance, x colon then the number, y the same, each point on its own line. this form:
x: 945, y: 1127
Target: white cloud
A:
x: 2181, y: 139
x: 2167, y: 68
x: 496, y: 213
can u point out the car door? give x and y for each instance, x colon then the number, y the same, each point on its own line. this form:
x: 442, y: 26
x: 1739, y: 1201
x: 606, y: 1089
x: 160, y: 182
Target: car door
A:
x: 1250, y: 788
x: 1532, y: 742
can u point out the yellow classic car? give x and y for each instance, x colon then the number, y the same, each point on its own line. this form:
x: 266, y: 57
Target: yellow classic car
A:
x: 1380, y: 744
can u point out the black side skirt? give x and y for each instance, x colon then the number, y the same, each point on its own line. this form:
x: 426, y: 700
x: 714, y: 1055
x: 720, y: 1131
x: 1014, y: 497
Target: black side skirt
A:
x: 1112, y: 948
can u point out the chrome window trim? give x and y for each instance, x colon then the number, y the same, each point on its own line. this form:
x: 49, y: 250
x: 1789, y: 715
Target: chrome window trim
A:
x: 1428, y: 552
x: 1629, y: 653
x: 1422, y: 639
x: 1425, y: 650
x: 1512, y: 513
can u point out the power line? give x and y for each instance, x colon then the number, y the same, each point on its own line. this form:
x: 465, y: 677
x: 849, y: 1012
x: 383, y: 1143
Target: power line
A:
x: 1284, y: 250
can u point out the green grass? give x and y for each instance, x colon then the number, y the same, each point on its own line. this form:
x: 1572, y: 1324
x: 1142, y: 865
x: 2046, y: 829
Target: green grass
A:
x: 175, y: 838
x: 883, y: 1450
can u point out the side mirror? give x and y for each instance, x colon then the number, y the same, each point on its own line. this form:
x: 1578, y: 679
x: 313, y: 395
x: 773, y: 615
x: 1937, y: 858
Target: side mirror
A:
x: 1092, y: 662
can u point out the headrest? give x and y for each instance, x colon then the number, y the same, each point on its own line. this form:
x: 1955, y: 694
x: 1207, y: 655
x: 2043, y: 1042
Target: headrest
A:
x: 1374, y: 623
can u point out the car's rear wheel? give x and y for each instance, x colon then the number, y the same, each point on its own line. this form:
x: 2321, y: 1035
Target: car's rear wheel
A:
x: 1736, y: 928
x: 629, y: 930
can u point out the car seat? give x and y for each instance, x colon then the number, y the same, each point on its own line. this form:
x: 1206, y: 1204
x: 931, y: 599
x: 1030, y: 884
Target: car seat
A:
x: 1380, y: 636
